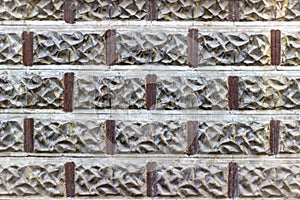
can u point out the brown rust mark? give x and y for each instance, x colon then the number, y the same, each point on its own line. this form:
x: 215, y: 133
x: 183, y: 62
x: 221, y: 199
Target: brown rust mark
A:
x: 70, y: 179
x: 27, y: 41
x: 68, y: 91
x: 110, y: 47
x: 151, y: 10
x: 193, y: 48
x: 274, y: 136
x: 69, y: 11
x: 28, y: 135
x: 233, y: 92
x: 275, y: 47
x: 233, y: 187
x: 234, y: 10
x: 151, y: 80
x: 110, y: 126
x: 192, y: 137
x: 151, y: 179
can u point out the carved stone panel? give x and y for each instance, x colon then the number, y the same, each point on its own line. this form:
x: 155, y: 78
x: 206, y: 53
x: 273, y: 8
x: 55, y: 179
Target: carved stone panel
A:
x: 291, y: 48
x: 10, y: 48
x: 11, y: 135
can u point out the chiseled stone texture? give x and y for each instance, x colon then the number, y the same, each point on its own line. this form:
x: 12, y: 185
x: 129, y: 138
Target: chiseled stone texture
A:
x: 81, y: 136
x: 30, y: 90
x: 266, y: 181
x: 11, y: 135
x: 32, y: 180
x: 196, y: 180
x: 233, y: 138
x: 175, y: 93
x: 290, y: 48
x: 151, y: 137
x: 126, y: 180
x: 10, y: 48
x: 151, y: 47
x: 201, y: 10
x: 116, y: 92
x: 234, y: 48
x: 261, y: 93
x: 289, y: 137
x: 68, y: 48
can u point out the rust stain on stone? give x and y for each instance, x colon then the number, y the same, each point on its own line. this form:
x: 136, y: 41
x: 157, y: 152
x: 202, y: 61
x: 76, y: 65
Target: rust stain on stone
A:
x: 274, y: 136
x: 234, y: 10
x: 68, y: 91
x: 233, y: 92
x: 151, y: 80
x: 110, y: 136
x: 28, y: 135
x: 192, y: 137
x: 151, y: 179
x: 275, y: 47
x: 233, y: 190
x: 69, y: 11
x: 193, y: 48
x: 110, y: 47
x: 70, y: 179
x: 27, y: 38
x: 151, y: 10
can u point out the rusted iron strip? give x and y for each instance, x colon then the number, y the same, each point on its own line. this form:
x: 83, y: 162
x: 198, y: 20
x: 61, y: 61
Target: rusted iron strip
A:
x: 233, y: 92
x: 110, y: 136
x: 110, y: 47
x: 151, y: 179
x: 151, y: 80
x: 193, y: 48
x: 70, y: 179
x: 69, y: 11
x: 233, y: 187
x: 192, y: 137
x: 275, y: 47
x: 151, y: 10
x: 234, y: 10
x: 274, y: 136
x: 27, y: 38
x: 68, y: 91
x: 28, y: 135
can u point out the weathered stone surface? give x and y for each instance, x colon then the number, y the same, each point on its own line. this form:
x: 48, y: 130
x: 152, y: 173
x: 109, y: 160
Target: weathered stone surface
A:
x: 192, y: 181
x: 192, y: 93
x: 111, y: 92
x: 30, y: 91
x: 202, y: 10
x: 269, y: 93
x: 110, y: 180
x: 265, y: 181
x: 291, y: 48
x: 85, y: 136
x: 234, y: 48
x: 151, y: 47
x: 31, y: 180
x: 10, y: 48
x: 11, y: 135
x: 69, y: 48
x: 148, y: 137
x: 289, y: 137
x: 233, y: 138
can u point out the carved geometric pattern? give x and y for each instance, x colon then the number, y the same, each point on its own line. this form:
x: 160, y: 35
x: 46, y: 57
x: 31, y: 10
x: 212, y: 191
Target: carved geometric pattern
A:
x: 30, y: 91
x: 151, y: 47
x: 32, y: 180
x: 290, y: 137
x: 263, y: 181
x: 10, y: 48
x: 69, y: 48
x: 233, y: 138
x: 269, y: 93
x: 192, y: 181
x: 145, y: 137
x: 291, y: 48
x: 11, y: 135
x: 69, y: 137
x: 192, y: 93
x: 217, y: 48
x: 111, y: 92
x: 116, y: 180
